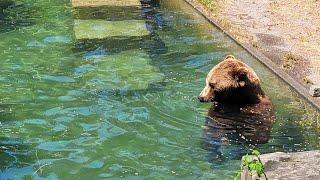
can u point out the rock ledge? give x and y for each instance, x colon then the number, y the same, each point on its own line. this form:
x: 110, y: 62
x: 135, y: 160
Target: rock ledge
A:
x: 300, y: 165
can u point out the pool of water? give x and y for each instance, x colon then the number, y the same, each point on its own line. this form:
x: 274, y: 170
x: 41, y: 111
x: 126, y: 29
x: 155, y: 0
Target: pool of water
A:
x: 103, y: 92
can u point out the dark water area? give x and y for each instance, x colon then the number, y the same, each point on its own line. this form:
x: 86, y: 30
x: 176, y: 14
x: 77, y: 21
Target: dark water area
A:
x: 111, y: 92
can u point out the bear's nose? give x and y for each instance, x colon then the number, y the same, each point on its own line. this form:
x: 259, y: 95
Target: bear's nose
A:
x: 201, y: 99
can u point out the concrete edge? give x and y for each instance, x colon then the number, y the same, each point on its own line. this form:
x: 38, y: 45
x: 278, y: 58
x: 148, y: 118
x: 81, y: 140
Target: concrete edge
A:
x: 299, y: 88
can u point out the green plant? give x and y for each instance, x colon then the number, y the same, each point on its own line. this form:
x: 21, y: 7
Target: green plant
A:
x: 253, y: 164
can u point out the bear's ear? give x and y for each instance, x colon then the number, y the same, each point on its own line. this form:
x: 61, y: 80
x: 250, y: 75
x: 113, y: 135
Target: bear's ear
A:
x: 229, y: 56
x: 242, y: 76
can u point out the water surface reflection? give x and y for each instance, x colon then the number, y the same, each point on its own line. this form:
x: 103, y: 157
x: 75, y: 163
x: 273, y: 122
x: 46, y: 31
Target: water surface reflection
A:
x: 122, y: 107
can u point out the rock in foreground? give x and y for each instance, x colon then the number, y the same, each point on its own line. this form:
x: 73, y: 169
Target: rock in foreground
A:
x: 300, y: 165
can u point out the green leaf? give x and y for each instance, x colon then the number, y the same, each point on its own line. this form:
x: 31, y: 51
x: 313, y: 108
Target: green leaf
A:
x: 237, y: 177
x: 255, y: 153
x: 259, y: 168
x: 252, y: 166
x: 246, y: 159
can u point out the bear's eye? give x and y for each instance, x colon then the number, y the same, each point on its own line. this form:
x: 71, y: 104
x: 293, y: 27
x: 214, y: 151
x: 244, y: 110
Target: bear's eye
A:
x: 211, y: 85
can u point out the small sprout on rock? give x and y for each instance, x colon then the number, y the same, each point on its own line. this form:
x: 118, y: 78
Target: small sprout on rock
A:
x: 253, y: 164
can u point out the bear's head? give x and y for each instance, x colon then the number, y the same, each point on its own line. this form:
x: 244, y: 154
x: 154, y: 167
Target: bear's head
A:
x: 231, y: 81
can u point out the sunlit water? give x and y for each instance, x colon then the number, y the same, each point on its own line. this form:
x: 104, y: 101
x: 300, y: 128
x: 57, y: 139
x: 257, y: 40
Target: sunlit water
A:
x: 126, y: 106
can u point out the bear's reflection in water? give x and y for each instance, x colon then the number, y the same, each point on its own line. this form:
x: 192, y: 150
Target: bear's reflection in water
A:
x: 231, y: 130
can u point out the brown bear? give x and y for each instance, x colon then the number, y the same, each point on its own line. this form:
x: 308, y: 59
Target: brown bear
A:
x: 241, y: 111
x: 234, y: 82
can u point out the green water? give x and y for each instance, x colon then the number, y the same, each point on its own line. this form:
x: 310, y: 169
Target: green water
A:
x: 123, y: 107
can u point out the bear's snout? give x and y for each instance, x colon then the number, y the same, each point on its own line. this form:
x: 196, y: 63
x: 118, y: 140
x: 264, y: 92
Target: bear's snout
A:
x: 205, y: 99
x: 206, y: 95
x: 201, y: 99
